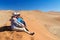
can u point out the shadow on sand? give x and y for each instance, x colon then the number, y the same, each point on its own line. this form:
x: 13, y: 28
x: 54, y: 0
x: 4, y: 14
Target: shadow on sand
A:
x: 5, y: 28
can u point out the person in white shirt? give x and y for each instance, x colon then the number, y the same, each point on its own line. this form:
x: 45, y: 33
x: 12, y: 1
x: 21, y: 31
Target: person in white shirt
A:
x: 17, y: 25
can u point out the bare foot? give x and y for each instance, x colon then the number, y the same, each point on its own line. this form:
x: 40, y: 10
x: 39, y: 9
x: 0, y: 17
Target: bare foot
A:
x: 32, y: 33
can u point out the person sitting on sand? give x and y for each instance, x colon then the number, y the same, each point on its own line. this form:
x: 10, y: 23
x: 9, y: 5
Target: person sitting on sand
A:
x: 18, y: 24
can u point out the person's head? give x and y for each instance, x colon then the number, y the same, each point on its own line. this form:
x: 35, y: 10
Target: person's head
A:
x: 16, y: 15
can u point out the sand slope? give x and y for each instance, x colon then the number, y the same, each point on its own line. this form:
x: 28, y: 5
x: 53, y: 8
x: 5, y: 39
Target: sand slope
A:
x: 42, y: 23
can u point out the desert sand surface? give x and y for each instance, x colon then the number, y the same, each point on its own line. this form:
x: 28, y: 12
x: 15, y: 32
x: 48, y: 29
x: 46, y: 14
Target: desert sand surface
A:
x: 46, y: 25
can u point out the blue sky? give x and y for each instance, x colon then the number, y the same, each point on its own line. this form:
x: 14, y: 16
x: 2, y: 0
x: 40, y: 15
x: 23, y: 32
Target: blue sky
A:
x: 43, y: 5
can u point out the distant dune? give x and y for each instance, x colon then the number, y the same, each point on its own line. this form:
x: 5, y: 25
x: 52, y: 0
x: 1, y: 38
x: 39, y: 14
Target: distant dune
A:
x: 46, y: 25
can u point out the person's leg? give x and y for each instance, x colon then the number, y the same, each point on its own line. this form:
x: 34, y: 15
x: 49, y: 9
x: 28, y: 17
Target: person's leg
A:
x: 24, y: 25
x: 26, y: 30
x: 17, y: 28
x: 31, y: 33
x: 23, y: 29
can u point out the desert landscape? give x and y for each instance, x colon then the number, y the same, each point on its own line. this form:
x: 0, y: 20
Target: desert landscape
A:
x: 46, y: 25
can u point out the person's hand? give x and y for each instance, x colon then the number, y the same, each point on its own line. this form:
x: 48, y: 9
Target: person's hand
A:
x: 21, y: 25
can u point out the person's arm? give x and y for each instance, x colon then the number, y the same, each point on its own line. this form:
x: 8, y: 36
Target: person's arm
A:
x: 17, y: 22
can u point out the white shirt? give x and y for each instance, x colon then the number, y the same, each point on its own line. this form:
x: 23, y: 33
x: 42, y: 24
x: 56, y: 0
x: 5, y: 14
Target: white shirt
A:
x: 16, y: 23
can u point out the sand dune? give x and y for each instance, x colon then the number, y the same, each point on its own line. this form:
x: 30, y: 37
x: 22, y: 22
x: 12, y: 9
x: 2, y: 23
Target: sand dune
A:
x: 44, y: 24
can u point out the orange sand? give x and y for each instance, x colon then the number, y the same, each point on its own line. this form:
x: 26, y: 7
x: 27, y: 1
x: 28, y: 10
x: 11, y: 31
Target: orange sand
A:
x: 36, y: 22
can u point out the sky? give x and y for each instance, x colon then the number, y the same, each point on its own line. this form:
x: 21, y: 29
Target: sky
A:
x: 42, y: 5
